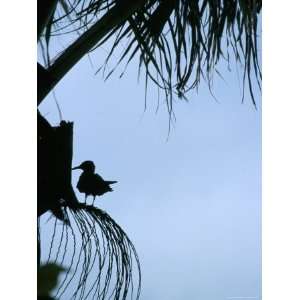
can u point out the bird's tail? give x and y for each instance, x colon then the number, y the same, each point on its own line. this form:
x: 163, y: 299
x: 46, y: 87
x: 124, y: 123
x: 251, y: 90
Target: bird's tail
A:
x: 111, y: 182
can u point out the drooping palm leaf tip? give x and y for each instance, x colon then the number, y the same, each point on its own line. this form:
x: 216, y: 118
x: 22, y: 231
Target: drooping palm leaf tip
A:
x: 178, y: 41
x: 99, y: 257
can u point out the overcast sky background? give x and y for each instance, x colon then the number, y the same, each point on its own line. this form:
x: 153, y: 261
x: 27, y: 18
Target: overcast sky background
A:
x: 190, y: 204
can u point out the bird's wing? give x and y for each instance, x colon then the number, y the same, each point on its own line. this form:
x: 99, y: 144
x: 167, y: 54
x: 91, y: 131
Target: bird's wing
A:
x: 101, y: 186
x: 98, y: 178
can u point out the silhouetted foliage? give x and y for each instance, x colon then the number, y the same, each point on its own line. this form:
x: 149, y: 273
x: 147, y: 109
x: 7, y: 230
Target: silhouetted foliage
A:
x: 47, y: 280
x: 99, y: 256
x: 178, y: 41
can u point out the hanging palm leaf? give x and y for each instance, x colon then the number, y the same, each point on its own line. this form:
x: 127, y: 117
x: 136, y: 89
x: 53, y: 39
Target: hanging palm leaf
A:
x: 98, y: 256
x: 178, y: 42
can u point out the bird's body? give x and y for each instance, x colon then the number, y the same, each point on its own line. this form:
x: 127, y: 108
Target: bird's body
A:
x: 93, y: 184
x: 90, y: 183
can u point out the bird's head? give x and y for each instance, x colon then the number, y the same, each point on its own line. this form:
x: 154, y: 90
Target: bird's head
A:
x: 86, y: 166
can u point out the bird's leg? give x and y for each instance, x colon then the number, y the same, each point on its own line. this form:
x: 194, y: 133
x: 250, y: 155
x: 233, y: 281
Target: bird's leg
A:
x: 94, y: 200
x: 85, y: 198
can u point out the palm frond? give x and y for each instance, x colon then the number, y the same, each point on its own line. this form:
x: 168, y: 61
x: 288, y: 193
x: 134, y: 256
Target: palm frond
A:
x: 178, y: 42
x: 99, y: 257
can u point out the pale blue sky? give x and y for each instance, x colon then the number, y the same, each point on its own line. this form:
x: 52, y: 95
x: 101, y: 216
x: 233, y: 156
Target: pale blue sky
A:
x: 191, y: 205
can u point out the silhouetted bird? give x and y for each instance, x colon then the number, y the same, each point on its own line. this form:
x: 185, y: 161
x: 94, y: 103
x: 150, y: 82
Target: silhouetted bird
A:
x: 91, y: 183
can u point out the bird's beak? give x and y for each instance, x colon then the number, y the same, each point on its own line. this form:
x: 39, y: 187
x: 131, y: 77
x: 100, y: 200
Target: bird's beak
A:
x: 76, y: 168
